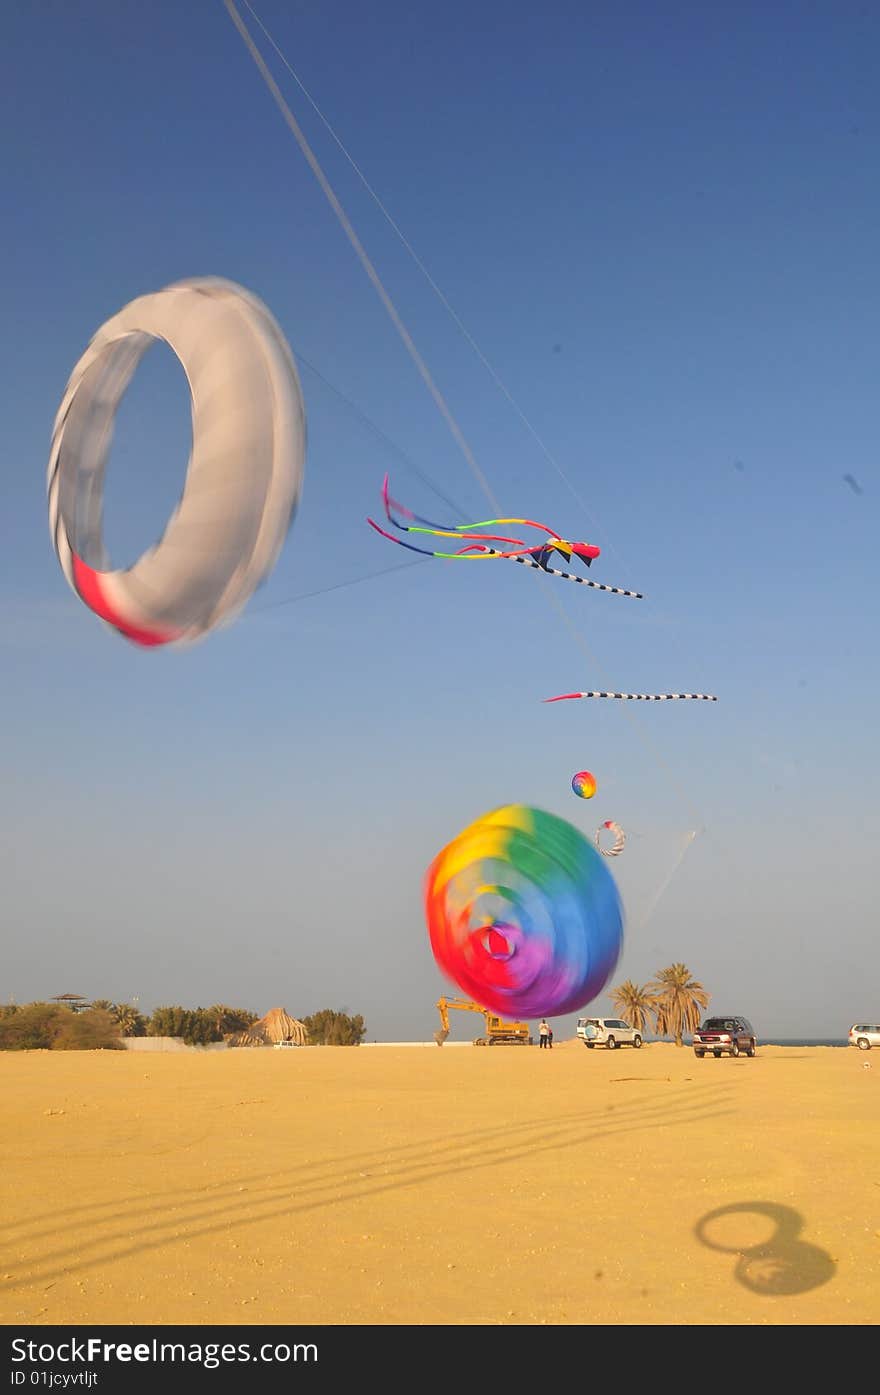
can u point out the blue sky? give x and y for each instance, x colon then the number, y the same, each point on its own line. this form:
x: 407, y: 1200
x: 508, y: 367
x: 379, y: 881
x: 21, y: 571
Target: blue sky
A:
x: 661, y: 229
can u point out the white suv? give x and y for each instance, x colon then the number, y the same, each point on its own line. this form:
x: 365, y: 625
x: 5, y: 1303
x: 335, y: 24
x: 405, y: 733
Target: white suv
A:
x: 607, y: 1031
x: 865, y: 1035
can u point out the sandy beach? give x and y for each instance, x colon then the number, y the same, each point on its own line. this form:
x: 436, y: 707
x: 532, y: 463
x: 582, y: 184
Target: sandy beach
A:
x: 455, y: 1186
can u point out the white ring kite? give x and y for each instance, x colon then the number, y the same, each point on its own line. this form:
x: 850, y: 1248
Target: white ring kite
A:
x: 244, y: 476
x: 619, y: 839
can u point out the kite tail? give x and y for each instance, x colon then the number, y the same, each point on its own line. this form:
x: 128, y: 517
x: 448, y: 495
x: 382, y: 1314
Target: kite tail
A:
x: 637, y: 697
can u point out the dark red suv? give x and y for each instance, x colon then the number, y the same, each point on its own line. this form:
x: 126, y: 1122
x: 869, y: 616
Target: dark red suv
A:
x: 733, y: 1036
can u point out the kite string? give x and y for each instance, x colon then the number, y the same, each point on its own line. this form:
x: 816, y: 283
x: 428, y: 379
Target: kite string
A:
x: 387, y: 302
x: 690, y: 839
x: 444, y: 301
x: 337, y: 586
x: 361, y: 253
x: 381, y: 435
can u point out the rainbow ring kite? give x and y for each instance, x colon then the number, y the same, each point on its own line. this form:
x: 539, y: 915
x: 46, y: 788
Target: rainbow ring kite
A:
x: 244, y: 475
x: 523, y: 914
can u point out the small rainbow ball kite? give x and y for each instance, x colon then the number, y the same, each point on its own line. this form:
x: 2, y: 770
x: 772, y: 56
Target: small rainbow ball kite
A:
x: 523, y: 914
x: 584, y: 784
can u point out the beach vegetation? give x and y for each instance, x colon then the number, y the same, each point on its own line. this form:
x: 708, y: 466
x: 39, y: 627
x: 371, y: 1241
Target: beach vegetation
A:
x: 679, y: 1002
x: 54, y: 1027
x: 329, y: 1028
x: 199, y: 1026
x: 230, y: 1020
x: 634, y: 1003
x: 129, y: 1021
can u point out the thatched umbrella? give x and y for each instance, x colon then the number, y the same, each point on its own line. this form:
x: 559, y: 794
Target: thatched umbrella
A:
x: 276, y: 1026
x: 280, y: 1026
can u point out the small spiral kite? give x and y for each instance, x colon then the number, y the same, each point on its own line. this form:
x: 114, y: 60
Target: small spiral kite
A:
x: 619, y: 839
x: 584, y: 784
x: 523, y: 914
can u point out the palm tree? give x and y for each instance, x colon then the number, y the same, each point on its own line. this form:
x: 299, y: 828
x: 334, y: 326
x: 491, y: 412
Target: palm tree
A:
x: 220, y: 1013
x: 679, y: 999
x: 127, y: 1018
x: 634, y: 1003
x: 229, y: 1019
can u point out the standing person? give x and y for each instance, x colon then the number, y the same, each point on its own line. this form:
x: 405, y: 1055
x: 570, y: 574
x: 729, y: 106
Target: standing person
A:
x: 550, y: 1038
x: 544, y: 1032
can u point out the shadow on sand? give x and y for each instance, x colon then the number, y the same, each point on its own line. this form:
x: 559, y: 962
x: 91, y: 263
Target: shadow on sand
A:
x: 777, y: 1267
x: 66, y: 1240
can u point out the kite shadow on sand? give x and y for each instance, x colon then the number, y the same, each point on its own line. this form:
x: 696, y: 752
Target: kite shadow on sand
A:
x: 779, y: 1266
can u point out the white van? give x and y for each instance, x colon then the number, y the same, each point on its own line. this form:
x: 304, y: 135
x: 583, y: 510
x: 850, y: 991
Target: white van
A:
x: 607, y: 1031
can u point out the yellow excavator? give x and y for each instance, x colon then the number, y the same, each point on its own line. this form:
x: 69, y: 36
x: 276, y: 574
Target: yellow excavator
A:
x: 498, y: 1032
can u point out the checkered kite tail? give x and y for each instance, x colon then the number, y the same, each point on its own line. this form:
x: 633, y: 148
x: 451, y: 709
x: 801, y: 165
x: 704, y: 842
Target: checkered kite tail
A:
x: 581, y: 581
x: 637, y: 697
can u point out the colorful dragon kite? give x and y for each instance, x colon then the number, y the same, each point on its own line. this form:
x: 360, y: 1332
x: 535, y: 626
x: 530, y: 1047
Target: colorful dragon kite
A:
x: 476, y: 543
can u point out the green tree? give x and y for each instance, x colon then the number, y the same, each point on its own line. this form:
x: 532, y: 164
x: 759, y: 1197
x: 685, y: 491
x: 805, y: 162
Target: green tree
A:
x: 240, y: 1019
x: 202, y: 1028
x: 679, y: 1001
x: 126, y: 1016
x: 168, y: 1022
x: 230, y: 1019
x: 54, y: 1027
x: 96, y: 1029
x: 33, y: 1027
x: 634, y: 1003
x: 329, y: 1028
x: 198, y: 1026
x: 129, y: 1020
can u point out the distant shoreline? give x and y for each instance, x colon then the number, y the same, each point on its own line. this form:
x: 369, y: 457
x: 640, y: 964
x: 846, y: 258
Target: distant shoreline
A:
x: 802, y: 1041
